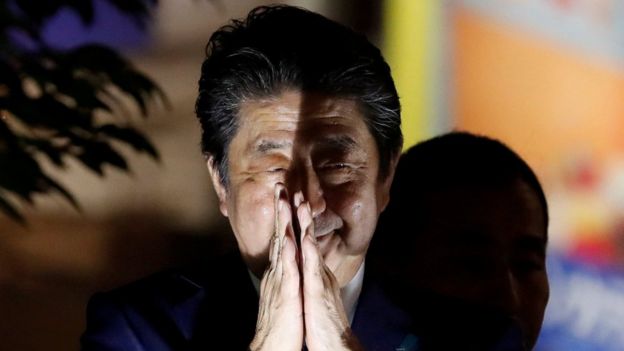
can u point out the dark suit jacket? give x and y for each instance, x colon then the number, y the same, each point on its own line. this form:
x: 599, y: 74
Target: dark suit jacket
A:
x: 212, y: 308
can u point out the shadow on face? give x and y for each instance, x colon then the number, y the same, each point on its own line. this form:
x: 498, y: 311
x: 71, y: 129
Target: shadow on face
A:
x: 312, y: 143
x: 467, y: 260
x: 483, y: 251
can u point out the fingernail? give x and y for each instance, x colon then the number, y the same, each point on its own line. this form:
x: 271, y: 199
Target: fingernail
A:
x: 284, y: 240
x: 298, y: 198
x: 276, y: 192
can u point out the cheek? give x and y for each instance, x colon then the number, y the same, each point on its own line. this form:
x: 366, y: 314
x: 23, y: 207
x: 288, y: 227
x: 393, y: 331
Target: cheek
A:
x: 535, y: 297
x: 252, y: 218
x: 358, y: 209
x: 534, y: 300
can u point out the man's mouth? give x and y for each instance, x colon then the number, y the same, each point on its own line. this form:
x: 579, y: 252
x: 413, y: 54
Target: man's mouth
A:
x: 324, y: 241
x: 324, y: 237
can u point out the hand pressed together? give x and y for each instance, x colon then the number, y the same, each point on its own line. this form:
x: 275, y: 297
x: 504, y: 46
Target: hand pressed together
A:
x: 299, y: 295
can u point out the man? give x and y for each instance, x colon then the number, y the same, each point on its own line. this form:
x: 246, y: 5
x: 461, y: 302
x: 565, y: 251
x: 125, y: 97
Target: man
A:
x: 301, y: 130
x: 464, y: 244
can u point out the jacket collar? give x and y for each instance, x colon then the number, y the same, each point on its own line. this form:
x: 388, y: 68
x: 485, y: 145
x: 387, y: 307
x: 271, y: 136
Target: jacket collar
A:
x: 210, y: 297
x: 378, y: 323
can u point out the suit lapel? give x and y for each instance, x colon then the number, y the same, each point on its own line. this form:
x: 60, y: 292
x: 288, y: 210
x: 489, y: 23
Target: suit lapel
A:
x: 225, y: 308
x: 182, y: 306
x: 378, y: 323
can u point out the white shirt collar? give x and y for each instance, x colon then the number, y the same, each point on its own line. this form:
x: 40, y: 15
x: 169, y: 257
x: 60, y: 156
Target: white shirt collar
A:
x: 349, y: 294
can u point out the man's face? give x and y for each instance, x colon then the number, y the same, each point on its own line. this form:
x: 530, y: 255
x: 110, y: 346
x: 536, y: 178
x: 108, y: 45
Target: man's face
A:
x: 486, y: 246
x: 314, y: 144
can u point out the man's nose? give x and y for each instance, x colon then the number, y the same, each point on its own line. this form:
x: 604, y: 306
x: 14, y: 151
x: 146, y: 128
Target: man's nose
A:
x: 307, y: 181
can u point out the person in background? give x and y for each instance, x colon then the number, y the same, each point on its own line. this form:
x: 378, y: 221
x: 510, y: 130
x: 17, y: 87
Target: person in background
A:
x: 301, y: 132
x: 462, y: 245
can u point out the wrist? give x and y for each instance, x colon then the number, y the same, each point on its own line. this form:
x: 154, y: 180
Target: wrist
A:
x: 350, y: 341
x: 256, y: 344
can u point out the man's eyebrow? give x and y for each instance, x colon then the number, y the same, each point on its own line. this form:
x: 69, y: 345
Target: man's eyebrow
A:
x: 532, y: 243
x: 264, y: 146
x: 471, y: 239
x: 338, y: 142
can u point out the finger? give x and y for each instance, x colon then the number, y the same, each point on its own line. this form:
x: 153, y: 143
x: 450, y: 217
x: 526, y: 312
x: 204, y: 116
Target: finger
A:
x: 312, y: 259
x: 304, y: 217
x: 276, y: 198
x: 284, y: 214
x: 274, y: 245
x: 267, y: 290
x: 265, y: 278
x: 284, y: 230
x: 273, y: 252
x: 298, y: 199
x: 290, y: 271
x: 312, y: 265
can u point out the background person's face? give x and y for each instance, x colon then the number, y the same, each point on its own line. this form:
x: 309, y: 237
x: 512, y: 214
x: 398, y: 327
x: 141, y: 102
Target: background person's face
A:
x: 314, y: 144
x: 486, y: 246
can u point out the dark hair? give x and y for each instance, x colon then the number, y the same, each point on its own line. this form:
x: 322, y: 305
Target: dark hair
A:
x: 282, y: 47
x: 451, y: 160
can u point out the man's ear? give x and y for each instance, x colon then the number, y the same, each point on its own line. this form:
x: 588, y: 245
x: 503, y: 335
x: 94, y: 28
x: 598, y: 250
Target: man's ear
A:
x: 386, y: 182
x: 220, y: 189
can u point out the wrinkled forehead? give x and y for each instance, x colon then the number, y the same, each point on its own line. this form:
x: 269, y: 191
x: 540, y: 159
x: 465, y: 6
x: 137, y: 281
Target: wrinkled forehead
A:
x: 296, y: 106
x: 294, y: 117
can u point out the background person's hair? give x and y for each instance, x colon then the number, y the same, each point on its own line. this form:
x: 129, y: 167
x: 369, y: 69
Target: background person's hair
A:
x: 282, y: 47
x: 448, y: 161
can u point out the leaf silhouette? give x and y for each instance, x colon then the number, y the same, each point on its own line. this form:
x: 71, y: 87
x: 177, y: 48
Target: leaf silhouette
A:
x: 10, y: 210
x: 52, y: 101
x: 131, y: 137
